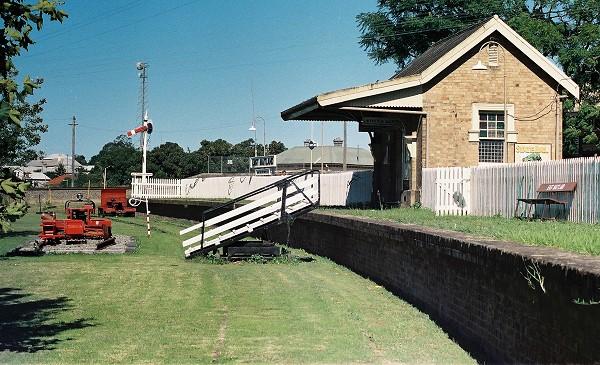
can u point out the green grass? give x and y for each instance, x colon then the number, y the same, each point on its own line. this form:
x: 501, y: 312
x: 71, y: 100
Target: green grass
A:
x: 22, y: 230
x: 575, y: 237
x: 153, y: 306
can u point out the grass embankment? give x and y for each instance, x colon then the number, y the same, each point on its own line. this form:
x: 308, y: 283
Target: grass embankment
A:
x: 153, y: 306
x: 576, y: 237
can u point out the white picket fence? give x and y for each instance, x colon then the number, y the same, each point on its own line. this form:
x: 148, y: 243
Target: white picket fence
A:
x: 155, y: 188
x: 493, y: 189
x: 337, y: 189
x: 451, y: 190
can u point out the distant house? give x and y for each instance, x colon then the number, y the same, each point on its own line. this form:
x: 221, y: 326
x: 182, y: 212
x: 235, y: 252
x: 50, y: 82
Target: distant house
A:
x: 331, y: 157
x: 37, y: 179
x: 23, y: 173
x: 481, y: 96
x: 51, y: 162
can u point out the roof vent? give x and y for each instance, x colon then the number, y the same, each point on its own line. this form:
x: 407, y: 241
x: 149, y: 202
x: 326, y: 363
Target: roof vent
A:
x: 493, y: 55
x: 338, y: 142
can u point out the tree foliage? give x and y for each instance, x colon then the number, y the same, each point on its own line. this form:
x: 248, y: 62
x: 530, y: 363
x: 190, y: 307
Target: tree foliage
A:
x: 12, y: 205
x: 121, y: 158
x: 168, y: 160
x: 567, y: 31
x: 18, y: 142
x: 81, y: 159
x: 19, y: 19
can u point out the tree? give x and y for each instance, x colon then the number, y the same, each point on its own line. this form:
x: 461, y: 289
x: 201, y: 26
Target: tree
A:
x: 276, y: 147
x: 167, y: 161
x: 18, y: 141
x: 12, y: 205
x: 81, y: 159
x: 19, y: 19
x: 218, y: 147
x: 564, y: 30
x: 243, y: 149
x: 121, y: 157
x: 60, y: 169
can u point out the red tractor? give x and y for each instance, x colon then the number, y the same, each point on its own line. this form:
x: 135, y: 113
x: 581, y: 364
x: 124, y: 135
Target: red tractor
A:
x: 78, y: 226
x: 113, y: 201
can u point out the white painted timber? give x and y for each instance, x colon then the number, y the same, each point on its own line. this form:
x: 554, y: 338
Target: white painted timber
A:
x: 265, y: 220
x: 337, y: 188
x: 250, y: 206
x: 244, y: 219
x: 494, y: 189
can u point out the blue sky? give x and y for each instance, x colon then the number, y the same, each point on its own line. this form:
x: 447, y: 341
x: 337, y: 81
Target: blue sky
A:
x: 205, y: 57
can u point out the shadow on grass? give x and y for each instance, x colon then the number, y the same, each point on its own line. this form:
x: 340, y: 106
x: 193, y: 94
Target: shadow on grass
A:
x: 20, y: 233
x: 30, y: 325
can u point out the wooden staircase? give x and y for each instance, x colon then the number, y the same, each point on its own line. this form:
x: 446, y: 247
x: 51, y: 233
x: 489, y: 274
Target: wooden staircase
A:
x: 269, y: 205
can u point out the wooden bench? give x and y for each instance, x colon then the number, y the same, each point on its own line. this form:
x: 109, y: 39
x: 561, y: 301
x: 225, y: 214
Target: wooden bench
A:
x: 550, y: 188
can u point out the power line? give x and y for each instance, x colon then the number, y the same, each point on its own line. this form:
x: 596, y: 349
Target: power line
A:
x: 129, y: 24
x: 85, y: 23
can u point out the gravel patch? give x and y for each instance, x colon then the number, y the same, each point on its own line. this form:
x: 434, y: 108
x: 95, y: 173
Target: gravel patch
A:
x: 121, y: 245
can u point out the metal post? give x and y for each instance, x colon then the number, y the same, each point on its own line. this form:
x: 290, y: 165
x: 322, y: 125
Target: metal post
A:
x: 73, y: 125
x: 106, y: 168
x: 142, y: 66
x: 344, y: 162
x: 208, y: 160
x: 144, y: 148
x: 221, y: 165
x: 322, y: 146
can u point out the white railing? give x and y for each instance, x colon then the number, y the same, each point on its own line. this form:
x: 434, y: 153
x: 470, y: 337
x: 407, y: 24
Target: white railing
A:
x: 494, y: 189
x: 337, y: 189
x: 154, y: 188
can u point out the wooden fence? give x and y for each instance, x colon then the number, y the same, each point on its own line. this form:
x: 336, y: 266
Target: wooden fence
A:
x: 493, y: 189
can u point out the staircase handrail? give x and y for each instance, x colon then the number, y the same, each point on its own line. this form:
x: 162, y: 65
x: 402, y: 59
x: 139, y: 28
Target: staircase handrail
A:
x: 283, y: 183
x: 258, y: 191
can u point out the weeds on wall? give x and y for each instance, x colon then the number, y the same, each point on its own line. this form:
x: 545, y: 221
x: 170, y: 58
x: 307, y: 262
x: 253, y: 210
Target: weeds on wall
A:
x: 533, y: 276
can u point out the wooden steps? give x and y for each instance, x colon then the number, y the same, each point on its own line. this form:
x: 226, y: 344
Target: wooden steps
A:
x: 287, y: 198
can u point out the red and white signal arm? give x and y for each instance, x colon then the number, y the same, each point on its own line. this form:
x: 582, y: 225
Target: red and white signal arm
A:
x: 146, y: 127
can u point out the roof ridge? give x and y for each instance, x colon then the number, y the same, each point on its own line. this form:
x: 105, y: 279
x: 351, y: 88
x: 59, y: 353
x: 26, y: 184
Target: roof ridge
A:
x: 469, y: 28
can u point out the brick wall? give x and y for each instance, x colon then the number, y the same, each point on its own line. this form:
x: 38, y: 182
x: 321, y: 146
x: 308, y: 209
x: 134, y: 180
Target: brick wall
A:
x: 60, y: 195
x: 448, y: 102
x: 475, y: 289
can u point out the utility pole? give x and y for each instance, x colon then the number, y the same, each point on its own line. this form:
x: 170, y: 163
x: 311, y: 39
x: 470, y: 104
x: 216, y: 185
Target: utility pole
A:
x: 73, y: 125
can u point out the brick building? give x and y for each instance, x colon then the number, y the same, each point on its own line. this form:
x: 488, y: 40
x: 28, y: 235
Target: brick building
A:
x: 483, y: 95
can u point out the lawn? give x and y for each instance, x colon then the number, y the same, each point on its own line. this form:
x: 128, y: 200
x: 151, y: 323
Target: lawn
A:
x: 576, y: 237
x: 153, y: 306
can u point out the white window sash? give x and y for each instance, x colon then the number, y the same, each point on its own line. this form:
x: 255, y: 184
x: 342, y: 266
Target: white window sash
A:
x: 510, y: 134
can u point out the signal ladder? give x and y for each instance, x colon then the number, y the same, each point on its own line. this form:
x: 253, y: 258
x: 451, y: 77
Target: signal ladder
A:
x: 272, y: 204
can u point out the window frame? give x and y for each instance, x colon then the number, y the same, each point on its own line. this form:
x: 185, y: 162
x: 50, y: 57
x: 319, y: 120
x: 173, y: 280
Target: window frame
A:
x: 510, y: 134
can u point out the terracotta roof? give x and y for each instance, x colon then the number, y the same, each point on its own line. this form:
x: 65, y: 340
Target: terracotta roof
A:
x: 59, y: 179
